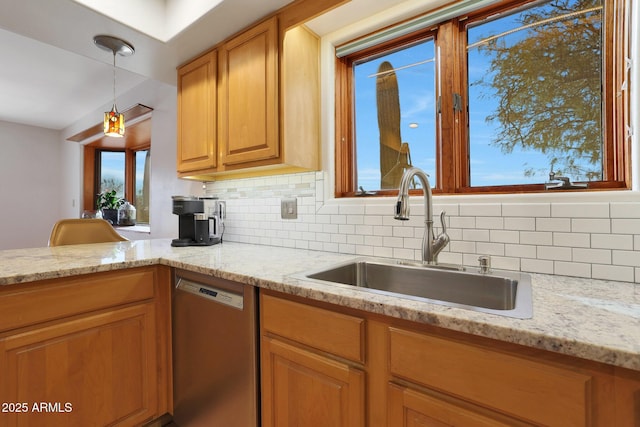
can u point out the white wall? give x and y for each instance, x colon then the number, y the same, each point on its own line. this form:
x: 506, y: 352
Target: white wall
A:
x: 30, y: 190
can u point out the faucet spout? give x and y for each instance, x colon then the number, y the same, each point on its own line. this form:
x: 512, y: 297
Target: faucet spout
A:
x: 431, y: 246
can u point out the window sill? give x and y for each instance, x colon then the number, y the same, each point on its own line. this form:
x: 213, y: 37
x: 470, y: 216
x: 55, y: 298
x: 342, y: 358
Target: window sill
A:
x: 135, y: 228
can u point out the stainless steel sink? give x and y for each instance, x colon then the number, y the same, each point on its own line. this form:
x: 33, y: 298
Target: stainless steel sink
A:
x: 499, y: 292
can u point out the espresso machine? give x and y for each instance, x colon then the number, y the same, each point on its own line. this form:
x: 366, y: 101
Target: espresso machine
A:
x: 200, y: 220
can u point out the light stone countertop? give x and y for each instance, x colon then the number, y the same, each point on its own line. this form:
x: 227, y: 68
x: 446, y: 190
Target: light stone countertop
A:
x: 592, y: 319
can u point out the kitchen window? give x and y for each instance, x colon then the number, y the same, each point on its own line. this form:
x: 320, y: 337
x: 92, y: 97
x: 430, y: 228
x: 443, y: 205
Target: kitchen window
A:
x: 127, y: 172
x: 487, y: 100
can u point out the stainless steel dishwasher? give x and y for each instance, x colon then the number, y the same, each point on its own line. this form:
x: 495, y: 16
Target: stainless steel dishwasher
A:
x: 215, y: 363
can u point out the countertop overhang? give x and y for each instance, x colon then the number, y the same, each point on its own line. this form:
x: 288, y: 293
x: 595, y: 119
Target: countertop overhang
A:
x: 592, y: 319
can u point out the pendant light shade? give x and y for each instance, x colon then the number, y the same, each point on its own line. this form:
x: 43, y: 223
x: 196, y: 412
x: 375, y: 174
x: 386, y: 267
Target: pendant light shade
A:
x: 113, y: 120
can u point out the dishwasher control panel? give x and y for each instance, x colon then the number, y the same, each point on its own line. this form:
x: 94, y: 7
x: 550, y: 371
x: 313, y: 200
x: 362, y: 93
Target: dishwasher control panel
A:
x: 217, y: 295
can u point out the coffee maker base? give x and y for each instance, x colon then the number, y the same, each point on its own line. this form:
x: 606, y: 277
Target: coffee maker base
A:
x: 190, y: 242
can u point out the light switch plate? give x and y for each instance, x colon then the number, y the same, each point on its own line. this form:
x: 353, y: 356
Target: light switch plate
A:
x: 289, y: 208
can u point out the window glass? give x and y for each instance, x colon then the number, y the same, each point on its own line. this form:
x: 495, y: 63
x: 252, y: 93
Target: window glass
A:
x: 535, y: 94
x: 394, y: 107
x: 141, y: 185
x: 112, y: 172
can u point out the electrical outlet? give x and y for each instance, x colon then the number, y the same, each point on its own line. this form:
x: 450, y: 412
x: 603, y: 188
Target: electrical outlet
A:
x: 289, y: 208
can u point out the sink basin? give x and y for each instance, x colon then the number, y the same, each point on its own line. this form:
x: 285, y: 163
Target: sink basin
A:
x: 499, y: 292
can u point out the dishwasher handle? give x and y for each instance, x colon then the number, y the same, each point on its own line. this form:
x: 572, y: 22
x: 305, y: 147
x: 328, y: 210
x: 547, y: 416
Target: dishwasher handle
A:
x: 210, y: 293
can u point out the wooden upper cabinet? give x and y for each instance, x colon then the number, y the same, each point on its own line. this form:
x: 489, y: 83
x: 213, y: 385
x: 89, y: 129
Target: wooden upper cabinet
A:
x: 197, y: 114
x: 248, y: 102
x: 266, y: 119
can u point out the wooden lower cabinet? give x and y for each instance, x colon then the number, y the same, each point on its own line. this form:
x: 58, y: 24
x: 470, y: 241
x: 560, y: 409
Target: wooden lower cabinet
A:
x: 301, y: 388
x: 311, y: 366
x: 412, y: 408
x: 416, y: 375
x: 86, y: 365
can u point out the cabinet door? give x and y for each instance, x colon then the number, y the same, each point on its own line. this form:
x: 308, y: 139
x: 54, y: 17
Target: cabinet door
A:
x: 410, y: 408
x: 248, y: 104
x: 301, y: 388
x: 197, y: 114
x: 94, y: 370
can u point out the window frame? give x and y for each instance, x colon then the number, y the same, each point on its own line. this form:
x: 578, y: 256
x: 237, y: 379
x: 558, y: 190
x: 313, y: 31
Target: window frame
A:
x: 450, y: 38
x: 92, y: 172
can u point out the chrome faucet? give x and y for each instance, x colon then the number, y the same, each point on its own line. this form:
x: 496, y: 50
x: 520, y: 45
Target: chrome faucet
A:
x: 431, y: 246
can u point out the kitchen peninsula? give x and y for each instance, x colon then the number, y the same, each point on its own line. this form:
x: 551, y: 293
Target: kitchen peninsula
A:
x: 115, y: 298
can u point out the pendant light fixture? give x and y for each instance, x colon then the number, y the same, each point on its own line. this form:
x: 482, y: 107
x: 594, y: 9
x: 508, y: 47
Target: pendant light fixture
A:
x: 113, y: 120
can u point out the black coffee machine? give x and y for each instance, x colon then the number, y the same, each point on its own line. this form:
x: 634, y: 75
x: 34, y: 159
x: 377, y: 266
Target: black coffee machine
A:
x: 193, y: 223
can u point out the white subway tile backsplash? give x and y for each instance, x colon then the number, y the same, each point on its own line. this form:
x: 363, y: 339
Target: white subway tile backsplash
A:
x: 612, y: 272
x: 383, y: 231
x: 553, y: 224
x: 625, y: 226
x: 403, y: 253
x: 598, y: 240
x: 475, y: 235
x: 612, y: 241
x: 351, y: 209
x: 535, y: 210
x: 504, y: 236
x: 553, y: 253
x: 462, y: 222
x: 380, y: 251
x: 579, y: 225
x: 505, y: 263
x: 346, y: 229
x: 580, y: 240
x: 517, y: 223
x: 593, y: 256
x: 392, y: 242
x: 580, y: 210
x: 572, y: 269
x: 373, y: 240
x: 338, y: 219
x: 372, y: 220
x: 520, y: 251
x: 485, y: 248
x: 536, y: 238
x: 536, y: 266
x: 629, y: 258
x: 474, y: 209
x: 625, y: 210
x: 462, y: 246
x: 355, y: 219
x: 489, y: 222
x: 403, y: 231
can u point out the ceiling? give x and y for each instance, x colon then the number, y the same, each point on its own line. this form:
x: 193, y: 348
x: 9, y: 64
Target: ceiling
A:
x: 52, y: 74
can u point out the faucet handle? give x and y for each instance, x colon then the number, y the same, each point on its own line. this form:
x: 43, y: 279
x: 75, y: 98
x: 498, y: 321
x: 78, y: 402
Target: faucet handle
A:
x: 442, y: 222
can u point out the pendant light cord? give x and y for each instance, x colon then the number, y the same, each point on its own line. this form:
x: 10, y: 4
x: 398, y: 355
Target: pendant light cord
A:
x: 114, y: 80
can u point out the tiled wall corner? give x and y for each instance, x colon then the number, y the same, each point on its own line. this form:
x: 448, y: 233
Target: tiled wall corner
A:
x: 591, y: 240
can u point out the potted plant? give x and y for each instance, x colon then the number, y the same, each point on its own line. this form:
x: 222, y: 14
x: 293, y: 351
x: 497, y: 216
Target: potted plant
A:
x: 108, y: 202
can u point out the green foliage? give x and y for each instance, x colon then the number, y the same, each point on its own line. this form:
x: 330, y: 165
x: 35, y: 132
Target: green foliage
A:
x: 549, y: 88
x: 109, y: 200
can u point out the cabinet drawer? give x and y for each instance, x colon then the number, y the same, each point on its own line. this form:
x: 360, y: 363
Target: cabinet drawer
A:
x: 335, y: 333
x: 529, y: 390
x: 25, y: 305
x: 409, y: 407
